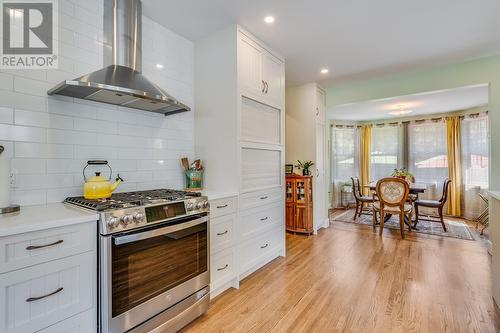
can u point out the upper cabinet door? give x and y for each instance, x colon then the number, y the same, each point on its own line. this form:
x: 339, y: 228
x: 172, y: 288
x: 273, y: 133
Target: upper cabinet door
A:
x: 273, y: 71
x: 320, y: 106
x: 250, y: 67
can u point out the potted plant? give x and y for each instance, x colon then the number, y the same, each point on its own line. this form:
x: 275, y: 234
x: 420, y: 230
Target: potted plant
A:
x: 304, y: 165
x: 403, y: 174
x: 347, y: 187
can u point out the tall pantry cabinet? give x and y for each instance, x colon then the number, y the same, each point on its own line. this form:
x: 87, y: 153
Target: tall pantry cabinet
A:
x: 239, y: 134
x: 306, y: 139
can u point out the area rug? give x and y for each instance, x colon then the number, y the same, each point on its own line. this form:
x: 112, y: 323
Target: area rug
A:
x: 455, y: 229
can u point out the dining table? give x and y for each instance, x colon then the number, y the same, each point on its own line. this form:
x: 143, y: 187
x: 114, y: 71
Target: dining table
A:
x: 415, y: 189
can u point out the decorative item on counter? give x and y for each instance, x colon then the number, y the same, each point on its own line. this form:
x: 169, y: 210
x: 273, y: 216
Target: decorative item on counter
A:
x: 305, y: 165
x: 403, y: 174
x: 288, y: 169
x: 194, y: 174
x: 5, y: 205
x: 98, y: 187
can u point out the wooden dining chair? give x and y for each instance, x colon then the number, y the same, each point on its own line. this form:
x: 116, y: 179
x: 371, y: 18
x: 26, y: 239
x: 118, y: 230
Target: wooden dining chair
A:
x: 359, y: 197
x: 392, y: 196
x: 437, y: 204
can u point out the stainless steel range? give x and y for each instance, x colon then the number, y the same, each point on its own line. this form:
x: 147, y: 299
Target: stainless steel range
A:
x: 153, y: 259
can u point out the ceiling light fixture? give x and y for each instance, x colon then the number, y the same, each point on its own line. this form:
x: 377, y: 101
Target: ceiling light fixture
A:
x: 324, y: 71
x: 400, y: 111
x: 159, y: 66
x: 269, y: 19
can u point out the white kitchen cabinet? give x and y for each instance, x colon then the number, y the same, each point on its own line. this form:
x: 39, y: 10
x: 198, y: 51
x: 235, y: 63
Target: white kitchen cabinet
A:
x: 306, y: 139
x: 239, y: 134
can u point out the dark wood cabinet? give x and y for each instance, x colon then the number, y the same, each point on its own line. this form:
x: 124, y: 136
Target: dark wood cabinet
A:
x: 299, y: 204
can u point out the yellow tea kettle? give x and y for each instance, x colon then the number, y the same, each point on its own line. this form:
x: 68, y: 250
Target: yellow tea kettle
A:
x: 98, y: 187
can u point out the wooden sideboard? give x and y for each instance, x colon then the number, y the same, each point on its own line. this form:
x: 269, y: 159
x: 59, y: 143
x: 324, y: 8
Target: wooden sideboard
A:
x: 299, y: 204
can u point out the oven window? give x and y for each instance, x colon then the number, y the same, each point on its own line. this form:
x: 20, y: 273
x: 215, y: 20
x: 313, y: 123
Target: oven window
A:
x: 147, y: 268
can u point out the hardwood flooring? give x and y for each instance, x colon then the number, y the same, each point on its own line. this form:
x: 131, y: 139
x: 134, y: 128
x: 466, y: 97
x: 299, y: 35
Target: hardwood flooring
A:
x: 348, y: 279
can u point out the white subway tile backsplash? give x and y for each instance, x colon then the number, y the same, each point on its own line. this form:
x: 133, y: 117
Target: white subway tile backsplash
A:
x: 50, y: 138
x: 42, y: 150
x: 6, y: 115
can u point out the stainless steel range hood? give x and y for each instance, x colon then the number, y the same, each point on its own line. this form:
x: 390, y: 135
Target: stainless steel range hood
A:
x: 121, y: 83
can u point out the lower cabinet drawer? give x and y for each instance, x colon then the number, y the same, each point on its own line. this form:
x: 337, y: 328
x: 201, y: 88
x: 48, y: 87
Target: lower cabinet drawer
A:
x: 259, y: 198
x: 81, y: 323
x: 39, y: 296
x: 34, y: 248
x: 222, y: 268
x: 221, y: 232
x: 256, y: 220
x: 257, y: 249
x: 223, y: 206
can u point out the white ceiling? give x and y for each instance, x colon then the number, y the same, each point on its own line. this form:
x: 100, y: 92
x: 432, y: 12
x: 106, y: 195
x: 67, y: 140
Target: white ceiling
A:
x: 425, y: 103
x: 355, y: 39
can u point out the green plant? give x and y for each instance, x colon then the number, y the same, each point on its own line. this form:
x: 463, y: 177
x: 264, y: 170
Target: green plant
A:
x: 403, y: 173
x: 304, y: 164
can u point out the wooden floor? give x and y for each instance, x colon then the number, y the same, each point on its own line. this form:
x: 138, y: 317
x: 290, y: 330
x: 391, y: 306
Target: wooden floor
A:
x: 347, y: 279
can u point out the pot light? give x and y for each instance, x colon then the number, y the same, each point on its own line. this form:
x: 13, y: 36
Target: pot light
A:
x: 324, y: 71
x: 269, y: 19
x: 159, y: 66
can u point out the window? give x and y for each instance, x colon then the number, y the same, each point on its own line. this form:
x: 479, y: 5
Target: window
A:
x: 427, y: 152
x: 475, y: 155
x: 385, y: 151
x: 345, y: 153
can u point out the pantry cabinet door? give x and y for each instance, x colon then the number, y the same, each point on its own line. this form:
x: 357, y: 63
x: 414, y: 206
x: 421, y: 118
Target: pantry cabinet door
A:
x: 250, y: 67
x: 273, y: 75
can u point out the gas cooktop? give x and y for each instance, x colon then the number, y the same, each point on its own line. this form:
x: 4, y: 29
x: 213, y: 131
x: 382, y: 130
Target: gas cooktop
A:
x: 132, y: 199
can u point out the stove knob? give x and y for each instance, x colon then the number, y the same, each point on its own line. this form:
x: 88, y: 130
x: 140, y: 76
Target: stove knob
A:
x: 199, y: 205
x: 190, y: 206
x: 139, y: 217
x: 206, y: 204
x: 113, y: 222
x: 127, y: 219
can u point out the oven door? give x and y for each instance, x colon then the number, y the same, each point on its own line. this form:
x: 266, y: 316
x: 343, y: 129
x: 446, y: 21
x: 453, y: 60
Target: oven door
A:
x: 147, y: 271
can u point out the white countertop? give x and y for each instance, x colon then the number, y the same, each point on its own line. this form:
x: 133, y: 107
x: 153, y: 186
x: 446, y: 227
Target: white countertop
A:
x: 212, y: 195
x: 34, y: 218
x: 494, y: 194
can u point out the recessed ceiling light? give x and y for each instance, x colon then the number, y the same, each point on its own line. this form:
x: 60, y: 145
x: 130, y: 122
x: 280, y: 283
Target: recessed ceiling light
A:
x: 324, y: 71
x: 401, y: 111
x: 269, y: 19
x: 160, y: 66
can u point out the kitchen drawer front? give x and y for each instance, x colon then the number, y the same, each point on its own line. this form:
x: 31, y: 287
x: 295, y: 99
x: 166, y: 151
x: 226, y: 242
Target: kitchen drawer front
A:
x: 260, y: 168
x: 259, y: 198
x: 222, y: 267
x: 257, y: 249
x: 33, y: 248
x: 221, y: 232
x: 260, y: 122
x: 259, y: 219
x: 81, y: 323
x: 223, y: 206
x: 67, y: 284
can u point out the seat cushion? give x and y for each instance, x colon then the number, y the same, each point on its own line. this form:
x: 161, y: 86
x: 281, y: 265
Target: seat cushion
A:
x: 428, y: 203
x: 395, y: 210
x: 366, y: 199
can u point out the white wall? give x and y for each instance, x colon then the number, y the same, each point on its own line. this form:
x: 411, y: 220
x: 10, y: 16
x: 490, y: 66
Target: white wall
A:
x: 50, y: 138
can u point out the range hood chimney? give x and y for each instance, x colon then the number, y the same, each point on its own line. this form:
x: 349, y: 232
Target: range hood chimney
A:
x: 121, y: 83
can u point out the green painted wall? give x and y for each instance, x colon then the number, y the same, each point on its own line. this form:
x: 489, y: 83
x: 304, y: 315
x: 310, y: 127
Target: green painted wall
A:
x: 486, y: 70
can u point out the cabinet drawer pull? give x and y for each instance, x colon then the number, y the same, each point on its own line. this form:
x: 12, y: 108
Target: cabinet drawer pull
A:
x: 263, y: 86
x: 223, y: 206
x: 267, y: 87
x: 264, y: 218
x: 35, y: 247
x: 32, y: 299
x: 263, y: 198
x: 223, y: 268
x: 222, y: 233
x: 264, y: 246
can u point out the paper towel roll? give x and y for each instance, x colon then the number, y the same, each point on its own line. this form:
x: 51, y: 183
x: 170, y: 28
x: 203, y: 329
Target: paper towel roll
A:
x: 4, y: 178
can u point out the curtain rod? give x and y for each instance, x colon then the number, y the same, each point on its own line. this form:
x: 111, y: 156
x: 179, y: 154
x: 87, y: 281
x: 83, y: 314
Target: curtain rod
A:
x: 415, y: 121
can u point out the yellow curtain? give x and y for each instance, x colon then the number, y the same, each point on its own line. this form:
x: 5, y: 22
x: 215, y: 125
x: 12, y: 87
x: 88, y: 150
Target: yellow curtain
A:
x: 453, y: 135
x: 364, y: 156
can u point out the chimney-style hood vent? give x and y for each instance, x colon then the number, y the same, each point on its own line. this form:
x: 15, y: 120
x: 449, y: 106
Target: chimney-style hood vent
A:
x: 122, y: 82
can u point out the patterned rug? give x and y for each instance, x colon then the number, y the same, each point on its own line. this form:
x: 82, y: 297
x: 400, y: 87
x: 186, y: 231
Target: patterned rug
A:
x: 455, y: 229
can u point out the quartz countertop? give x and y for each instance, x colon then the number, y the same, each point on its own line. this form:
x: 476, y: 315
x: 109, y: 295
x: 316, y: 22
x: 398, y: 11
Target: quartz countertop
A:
x: 494, y: 194
x: 41, y: 217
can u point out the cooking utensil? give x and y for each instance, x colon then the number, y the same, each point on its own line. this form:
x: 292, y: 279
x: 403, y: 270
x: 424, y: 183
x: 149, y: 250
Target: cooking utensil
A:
x: 185, y: 163
x: 98, y: 187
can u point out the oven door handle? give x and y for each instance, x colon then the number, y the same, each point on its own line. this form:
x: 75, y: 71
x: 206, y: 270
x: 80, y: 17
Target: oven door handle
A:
x: 119, y: 240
